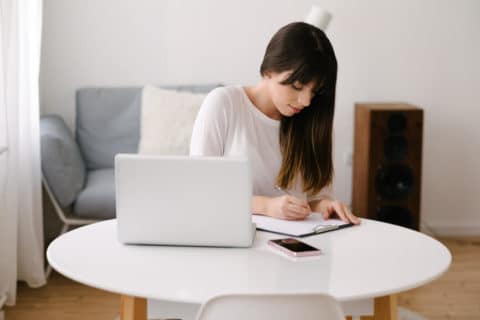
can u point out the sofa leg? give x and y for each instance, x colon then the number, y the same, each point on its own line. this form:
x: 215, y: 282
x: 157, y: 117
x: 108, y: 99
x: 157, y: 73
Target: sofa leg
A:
x: 48, y: 271
x: 64, y: 228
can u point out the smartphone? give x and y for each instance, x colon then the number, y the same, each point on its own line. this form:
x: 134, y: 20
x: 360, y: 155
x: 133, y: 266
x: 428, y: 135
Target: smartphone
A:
x: 294, y: 247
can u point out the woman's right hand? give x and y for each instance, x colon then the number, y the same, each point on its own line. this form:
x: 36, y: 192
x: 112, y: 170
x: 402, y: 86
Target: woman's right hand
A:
x: 288, y: 207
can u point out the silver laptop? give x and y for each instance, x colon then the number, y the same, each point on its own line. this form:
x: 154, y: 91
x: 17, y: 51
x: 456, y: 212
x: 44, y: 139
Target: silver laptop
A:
x: 180, y: 200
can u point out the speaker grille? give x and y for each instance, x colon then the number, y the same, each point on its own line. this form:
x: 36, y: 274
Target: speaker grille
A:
x: 396, y: 215
x: 394, y: 182
x: 397, y: 122
x: 395, y: 148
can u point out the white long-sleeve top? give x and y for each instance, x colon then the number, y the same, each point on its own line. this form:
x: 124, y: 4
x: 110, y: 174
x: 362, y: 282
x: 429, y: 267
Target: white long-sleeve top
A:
x: 229, y: 124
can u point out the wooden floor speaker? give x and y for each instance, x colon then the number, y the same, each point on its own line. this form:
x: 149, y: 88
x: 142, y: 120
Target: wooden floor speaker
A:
x: 387, y: 162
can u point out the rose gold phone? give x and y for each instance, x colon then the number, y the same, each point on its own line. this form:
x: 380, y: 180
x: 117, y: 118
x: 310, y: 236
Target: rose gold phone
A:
x: 294, y: 247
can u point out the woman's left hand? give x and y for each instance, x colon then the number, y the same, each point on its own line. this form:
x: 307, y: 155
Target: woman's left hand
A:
x: 336, y: 209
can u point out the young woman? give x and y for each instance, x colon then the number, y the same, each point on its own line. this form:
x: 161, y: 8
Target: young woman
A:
x: 283, y: 124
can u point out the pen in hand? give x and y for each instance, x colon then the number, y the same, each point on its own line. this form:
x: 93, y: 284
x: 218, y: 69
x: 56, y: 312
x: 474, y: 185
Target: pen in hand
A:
x: 281, y: 190
x: 296, y: 204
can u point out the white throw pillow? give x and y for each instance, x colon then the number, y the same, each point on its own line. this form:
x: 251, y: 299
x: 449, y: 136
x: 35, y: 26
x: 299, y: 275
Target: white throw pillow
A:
x: 167, y: 118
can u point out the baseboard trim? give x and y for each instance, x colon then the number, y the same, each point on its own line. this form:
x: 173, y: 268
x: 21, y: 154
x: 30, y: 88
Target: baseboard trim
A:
x: 453, y: 229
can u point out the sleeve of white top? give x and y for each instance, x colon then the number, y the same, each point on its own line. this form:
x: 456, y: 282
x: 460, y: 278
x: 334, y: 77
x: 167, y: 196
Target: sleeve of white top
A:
x: 210, y: 127
x: 325, y: 193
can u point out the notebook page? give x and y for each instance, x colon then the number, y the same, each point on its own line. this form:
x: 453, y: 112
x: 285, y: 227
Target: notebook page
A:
x: 294, y: 228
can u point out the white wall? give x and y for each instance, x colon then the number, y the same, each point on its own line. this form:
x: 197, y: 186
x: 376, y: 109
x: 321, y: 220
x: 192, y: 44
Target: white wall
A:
x: 422, y: 52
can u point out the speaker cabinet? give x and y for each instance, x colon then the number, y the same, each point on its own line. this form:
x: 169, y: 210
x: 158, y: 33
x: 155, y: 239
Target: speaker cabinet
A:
x: 387, y: 163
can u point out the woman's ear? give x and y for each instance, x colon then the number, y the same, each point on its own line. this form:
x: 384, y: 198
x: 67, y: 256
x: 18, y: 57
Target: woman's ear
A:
x: 267, y: 75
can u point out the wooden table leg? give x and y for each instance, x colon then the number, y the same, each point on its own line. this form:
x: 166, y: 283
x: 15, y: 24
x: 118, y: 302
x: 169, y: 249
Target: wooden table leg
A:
x: 385, y: 308
x: 132, y: 308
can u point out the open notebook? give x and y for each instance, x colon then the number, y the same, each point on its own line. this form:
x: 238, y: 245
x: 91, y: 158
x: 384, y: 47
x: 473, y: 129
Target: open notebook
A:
x: 314, y: 224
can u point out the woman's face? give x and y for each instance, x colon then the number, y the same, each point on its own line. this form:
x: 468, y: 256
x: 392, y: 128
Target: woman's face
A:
x: 289, y: 99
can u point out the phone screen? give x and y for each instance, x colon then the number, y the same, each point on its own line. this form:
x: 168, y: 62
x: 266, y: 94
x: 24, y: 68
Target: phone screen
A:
x: 294, y: 245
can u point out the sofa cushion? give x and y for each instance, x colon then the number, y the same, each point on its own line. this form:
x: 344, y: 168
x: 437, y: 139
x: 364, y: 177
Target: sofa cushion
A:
x: 108, y: 121
x: 166, y: 120
x: 97, y: 199
x: 62, y: 163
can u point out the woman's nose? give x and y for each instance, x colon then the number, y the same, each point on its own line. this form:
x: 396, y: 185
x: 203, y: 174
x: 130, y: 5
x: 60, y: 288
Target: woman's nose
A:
x: 304, y: 98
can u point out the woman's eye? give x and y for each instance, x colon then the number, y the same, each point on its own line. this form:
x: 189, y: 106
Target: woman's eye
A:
x: 296, y: 87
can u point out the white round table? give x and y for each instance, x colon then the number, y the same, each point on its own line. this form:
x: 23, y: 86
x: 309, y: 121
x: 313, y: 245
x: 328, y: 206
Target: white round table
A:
x: 372, y: 260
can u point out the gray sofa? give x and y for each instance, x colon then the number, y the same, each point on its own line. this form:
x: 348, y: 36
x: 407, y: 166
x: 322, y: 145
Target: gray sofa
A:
x: 78, y: 169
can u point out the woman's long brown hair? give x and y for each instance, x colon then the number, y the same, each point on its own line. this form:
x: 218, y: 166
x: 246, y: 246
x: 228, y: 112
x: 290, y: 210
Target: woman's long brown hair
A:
x: 305, y: 138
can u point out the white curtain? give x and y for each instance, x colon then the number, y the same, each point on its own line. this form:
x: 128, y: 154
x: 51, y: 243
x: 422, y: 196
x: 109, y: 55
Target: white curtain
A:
x: 21, y: 225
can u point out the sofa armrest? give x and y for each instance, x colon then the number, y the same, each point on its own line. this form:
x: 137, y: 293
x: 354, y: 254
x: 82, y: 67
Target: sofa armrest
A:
x: 62, y: 163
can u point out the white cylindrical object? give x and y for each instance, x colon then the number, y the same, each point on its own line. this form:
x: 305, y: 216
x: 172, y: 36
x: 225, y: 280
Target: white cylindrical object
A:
x: 318, y: 17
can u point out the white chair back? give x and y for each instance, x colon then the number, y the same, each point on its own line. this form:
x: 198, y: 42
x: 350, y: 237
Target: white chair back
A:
x: 271, y: 307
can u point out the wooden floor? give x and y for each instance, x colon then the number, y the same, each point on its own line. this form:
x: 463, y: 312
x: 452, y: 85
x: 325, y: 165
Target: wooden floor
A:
x: 456, y: 295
